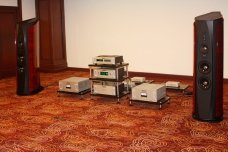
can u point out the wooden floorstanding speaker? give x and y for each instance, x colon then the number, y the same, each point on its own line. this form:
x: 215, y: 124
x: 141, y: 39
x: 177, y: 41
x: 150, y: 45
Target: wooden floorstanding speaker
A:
x: 27, y: 53
x: 208, y: 67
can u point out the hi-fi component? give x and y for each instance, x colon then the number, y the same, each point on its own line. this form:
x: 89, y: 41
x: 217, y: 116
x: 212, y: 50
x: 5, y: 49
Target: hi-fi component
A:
x: 109, y: 73
x: 172, y: 84
x: 107, y: 88
x: 138, y: 79
x: 149, y: 92
x: 74, y: 84
x: 108, y: 59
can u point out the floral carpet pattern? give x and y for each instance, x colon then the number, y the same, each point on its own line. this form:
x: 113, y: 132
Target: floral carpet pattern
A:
x: 53, y: 122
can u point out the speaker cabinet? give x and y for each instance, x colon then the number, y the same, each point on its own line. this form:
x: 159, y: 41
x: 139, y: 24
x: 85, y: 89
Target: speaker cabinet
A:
x: 27, y: 54
x: 208, y: 67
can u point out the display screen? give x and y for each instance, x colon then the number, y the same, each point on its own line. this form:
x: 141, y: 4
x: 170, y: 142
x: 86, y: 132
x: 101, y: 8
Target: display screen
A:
x: 107, y: 60
x: 100, y: 60
x: 103, y: 73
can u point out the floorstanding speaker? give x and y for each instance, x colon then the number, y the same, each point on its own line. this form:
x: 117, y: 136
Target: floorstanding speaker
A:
x: 208, y: 67
x: 27, y: 54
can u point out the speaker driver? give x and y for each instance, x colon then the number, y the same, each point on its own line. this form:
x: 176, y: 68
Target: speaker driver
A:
x: 20, y: 62
x: 204, y: 49
x: 204, y: 83
x: 204, y: 67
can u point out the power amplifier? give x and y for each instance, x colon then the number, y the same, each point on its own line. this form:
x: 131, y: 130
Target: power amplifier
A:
x: 108, y: 88
x: 74, y: 84
x: 149, y: 92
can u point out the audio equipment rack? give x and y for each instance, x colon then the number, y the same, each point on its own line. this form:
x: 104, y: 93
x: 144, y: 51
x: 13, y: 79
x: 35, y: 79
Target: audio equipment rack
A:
x: 109, y: 86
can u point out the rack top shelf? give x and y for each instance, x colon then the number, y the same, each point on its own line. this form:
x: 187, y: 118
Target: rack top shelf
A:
x: 112, y: 80
x: 108, y: 65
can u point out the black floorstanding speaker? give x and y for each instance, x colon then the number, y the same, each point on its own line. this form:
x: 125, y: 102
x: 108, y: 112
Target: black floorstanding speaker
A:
x: 208, y: 67
x: 27, y: 53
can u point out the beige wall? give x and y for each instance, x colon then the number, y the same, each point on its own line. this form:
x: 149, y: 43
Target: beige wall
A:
x: 28, y: 7
x: 8, y: 2
x: 154, y: 36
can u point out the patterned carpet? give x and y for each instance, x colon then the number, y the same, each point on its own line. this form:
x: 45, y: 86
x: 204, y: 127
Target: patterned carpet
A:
x: 65, y: 122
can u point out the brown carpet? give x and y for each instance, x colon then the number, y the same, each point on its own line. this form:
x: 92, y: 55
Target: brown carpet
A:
x: 48, y: 122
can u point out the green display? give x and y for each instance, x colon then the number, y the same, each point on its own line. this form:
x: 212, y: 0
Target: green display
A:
x: 103, y: 73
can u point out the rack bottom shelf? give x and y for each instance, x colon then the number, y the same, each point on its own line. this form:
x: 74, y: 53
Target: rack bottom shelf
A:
x: 81, y: 93
x: 112, y: 96
x: 160, y: 102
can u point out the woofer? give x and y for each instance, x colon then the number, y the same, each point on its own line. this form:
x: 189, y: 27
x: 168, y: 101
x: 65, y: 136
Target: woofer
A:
x: 204, y: 83
x: 204, y: 67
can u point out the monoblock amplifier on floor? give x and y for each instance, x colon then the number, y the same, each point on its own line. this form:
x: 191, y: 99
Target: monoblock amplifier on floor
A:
x: 149, y: 92
x: 74, y: 84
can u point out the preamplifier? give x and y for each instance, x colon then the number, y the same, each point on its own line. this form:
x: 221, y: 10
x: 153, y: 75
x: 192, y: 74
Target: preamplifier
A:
x: 109, y: 73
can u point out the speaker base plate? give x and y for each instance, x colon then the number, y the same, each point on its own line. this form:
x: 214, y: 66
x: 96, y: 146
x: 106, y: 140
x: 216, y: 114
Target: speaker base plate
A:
x: 217, y: 119
x: 40, y: 88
